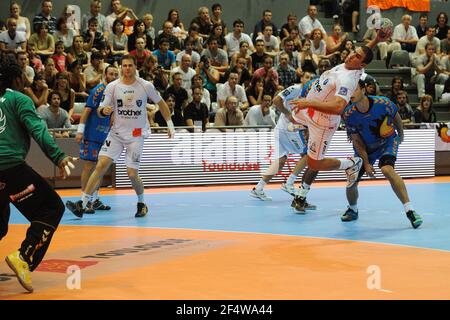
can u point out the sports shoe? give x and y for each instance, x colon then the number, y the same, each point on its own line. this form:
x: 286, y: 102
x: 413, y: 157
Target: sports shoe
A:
x: 142, y: 210
x: 98, y: 205
x: 89, y: 208
x: 76, y: 208
x: 415, y: 219
x: 260, y: 194
x: 353, y: 172
x: 289, y: 188
x: 21, y: 269
x: 349, y: 215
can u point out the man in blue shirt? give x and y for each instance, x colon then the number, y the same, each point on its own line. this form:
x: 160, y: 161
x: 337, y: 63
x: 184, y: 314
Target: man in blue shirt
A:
x: 376, y: 130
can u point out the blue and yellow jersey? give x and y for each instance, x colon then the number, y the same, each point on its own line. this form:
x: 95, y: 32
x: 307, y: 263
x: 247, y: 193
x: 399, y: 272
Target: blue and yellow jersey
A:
x: 373, y: 126
x: 307, y: 87
x: 97, y: 128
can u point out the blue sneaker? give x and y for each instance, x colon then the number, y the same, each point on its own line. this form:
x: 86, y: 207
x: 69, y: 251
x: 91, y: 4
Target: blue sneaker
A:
x: 349, y: 215
x: 415, y: 219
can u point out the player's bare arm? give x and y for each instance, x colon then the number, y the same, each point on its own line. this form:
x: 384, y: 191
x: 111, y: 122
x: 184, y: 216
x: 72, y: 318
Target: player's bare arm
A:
x: 82, y: 124
x: 398, y: 123
x: 360, y: 148
x: 166, y: 114
x: 334, y: 106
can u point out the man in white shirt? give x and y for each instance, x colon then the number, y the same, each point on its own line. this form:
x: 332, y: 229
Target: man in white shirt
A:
x: 126, y: 98
x: 231, y: 88
x: 12, y: 41
x: 271, y: 42
x: 22, y: 61
x: 309, y: 23
x: 261, y: 115
x: 233, y: 39
x: 186, y: 71
x: 406, y: 34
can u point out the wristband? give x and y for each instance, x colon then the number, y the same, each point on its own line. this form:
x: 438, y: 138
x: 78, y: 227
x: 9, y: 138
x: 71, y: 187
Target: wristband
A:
x: 80, y: 128
x: 170, y: 125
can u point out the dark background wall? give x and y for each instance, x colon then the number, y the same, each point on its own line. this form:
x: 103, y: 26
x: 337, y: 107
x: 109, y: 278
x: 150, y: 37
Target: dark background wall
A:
x: 249, y: 11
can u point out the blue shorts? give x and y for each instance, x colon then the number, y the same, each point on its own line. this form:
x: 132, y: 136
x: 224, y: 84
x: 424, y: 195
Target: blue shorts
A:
x: 89, y: 150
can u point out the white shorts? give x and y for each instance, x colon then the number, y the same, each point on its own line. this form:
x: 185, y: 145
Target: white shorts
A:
x: 114, y: 145
x: 320, y: 135
x: 288, y: 142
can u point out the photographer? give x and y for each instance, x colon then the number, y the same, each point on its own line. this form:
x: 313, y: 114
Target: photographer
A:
x: 154, y: 73
x: 210, y: 76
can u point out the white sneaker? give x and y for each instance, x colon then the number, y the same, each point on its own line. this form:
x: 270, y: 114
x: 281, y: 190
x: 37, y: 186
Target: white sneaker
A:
x: 289, y: 188
x: 260, y: 194
x: 353, y: 172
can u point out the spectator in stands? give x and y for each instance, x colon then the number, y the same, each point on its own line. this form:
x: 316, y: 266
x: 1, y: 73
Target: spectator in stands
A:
x: 180, y: 93
x: 95, y: 9
x: 421, y: 28
x: 125, y: 14
x: 405, y: 34
x: 286, y: 72
x: 177, y: 118
x: 340, y: 58
x: 166, y: 57
x: 446, y: 93
x: 271, y: 42
x: 78, y: 53
x: 428, y: 71
x: 141, y: 53
x: 38, y: 91
x: 310, y: 22
x: 44, y: 42
x: 94, y: 71
x: 397, y: 85
x: 28, y: 72
x: 442, y: 27
x: 64, y: 34
x: 178, y: 26
x: 229, y: 114
x: 269, y: 74
x: 149, y: 28
x: 324, y: 65
x: 93, y: 38
x: 445, y: 44
x: 232, y: 88
x: 197, y: 81
x: 72, y: 23
x: 196, y: 112
x: 318, y: 45
x: 59, y: 57
x: 50, y: 73
x: 385, y: 47
x: 45, y: 17
x: 424, y: 113
x: 294, y: 56
x: 259, y: 54
x: 12, y: 41
x: 117, y: 43
x: 336, y: 39
x: 54, y: 116
x: 308, y: 61
x: 234, y: 39
x: 23, y: 23
x: 332, y: 8
x: 255, y: 91
x: 371, y: 87
x: 217, y: 56
x: 34, y: 59
x: 261, y: 115
x: 203, y: 20
x: 140, y: 32
x: 243, y: 53
x: 194, y: 34
x: 154, y: 73
x: 287, y: 27
x: 218, y: 33
x: 77, y: 81
x: 244, y: 75
x: 174, y: 43
x: 67, y: 95
x: 209, y: 75
x: 350, y: 10
x: 428, y: 38
x: 307, y: 76
x: 445, y: 68
x: 189, y: 50
x: 295, y: 36
x: 216, y: 17
x: 404, y: 109
x: 187, y: 73
x: 2, y: 26
x: 266, y: 21
x: 349, y: 45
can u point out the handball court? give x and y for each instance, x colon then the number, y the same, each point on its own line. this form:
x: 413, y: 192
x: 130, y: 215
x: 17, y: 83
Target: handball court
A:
x: 219, y: 243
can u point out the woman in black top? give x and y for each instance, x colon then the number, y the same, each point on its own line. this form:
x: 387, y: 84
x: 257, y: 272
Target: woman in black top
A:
x: 424, y: 112
x: 442, y: 26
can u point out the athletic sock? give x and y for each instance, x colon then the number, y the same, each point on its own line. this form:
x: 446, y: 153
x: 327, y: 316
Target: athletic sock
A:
x: 306, y: 186
x: 261, y: 184
x: 291, y: 179
x: 85, y: 198
x: 141, y: 198
x: 95, y: 195
x: 345, y: 164
x: 354, y: 207
x: 408, y: 207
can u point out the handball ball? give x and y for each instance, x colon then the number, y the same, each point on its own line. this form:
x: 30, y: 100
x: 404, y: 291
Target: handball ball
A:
x: 386, y: 28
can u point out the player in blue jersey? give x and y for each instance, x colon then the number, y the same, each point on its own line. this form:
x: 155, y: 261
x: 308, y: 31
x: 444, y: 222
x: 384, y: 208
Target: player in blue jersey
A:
x: 91, y: 134
x: 375, y: 128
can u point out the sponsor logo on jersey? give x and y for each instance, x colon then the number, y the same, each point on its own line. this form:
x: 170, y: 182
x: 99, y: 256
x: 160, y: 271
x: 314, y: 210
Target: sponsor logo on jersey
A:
x: 343, y: 91
x: 325, y: 82
x: 119, y: 103
x: 129, y: 113
x: 139, y: 103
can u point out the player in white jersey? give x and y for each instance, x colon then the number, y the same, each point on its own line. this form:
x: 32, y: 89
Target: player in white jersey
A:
x: 289, y: 139
x: 320, y: 111
x: 126, y: 99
